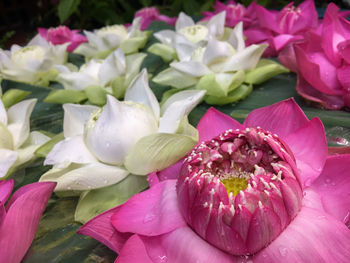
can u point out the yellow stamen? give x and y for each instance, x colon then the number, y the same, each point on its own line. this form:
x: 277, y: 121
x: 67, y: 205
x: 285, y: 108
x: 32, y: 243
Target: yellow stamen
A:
x: 234, y: 184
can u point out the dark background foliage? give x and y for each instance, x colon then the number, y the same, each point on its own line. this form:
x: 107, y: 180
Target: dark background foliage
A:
x: 20, y: 18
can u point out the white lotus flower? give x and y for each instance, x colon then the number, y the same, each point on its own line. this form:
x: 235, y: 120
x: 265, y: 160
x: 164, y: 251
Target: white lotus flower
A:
x: 17, y: 143
x: 33, y: 63
x: 103, y: 41
x: 187, y: 37
x: 114, y: 74
x: 102, y: 146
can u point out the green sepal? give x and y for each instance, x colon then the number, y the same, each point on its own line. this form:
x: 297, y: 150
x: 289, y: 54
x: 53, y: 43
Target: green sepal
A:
x: 133, y: 44
x: 44, y: 78
x: 174, y: 78
x: 166, y: 52
x: 94, y: 202
x: 13, y: 96
x: 118, y: 87
x: 103, y: 54
x: 157, y: 152
x: 44, y: 149
x: 185, y: 128
x: 62, y: 96
x: 238, y: 94
x: 96, y: 95
x: 264, y: 70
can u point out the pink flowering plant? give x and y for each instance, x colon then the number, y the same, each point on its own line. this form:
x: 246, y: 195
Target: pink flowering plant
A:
x: 235, y: 13
x: 150, y: 14
x: 61, y: 35
x: 20, y: 218
x: 283, y: 27
x: 323, y: 62
x: 261, y: 191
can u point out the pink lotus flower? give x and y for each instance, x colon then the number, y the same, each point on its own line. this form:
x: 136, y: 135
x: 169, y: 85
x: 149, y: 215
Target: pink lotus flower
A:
x: 235, y: 13
x: 280, y: 28
x: 61, y: 35
x: 20, y: 218
x: 150, y: 14
x: 261, y: 191
x: 323, y: 62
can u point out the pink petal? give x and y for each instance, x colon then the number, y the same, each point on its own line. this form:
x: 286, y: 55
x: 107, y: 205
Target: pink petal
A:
x: 172, y: 172
x: 183, y: 245
x: 282, y: 40
x: 344, y: 50
x: 2, y: 213
x: 256, y: 35
x: 5, y: 190
x: 19, y: 226
x: 309, y: 146
x: 222, y: 122
x: 311, y: 59
x: 312, y: 236
x: 281, y: 118
x: 344, y: 77
x: 169, y: 20
x: 333, y: 186
x: 307, y: 19
x: 134, y: 251
x: 287, y: 57
x: 267, y: 19
x: 42, y: 32
x: 305, y: 90
x: 101, y: 229
x: 334, y: 32
x: 152, y: 212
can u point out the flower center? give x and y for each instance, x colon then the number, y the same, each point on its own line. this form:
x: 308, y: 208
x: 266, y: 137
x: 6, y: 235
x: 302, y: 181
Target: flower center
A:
x: 30, y: 53
x: 240, y: 190
x: 195, y: 33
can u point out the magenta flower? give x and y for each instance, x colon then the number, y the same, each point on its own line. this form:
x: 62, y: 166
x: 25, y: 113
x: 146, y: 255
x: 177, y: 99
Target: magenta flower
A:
x: 20, y: 218
x: 235, y: 13
x: 150, y: 14
x: 323, y: 62
x: 280, y: 28
x: 61, y: 35
x: 261, y: 191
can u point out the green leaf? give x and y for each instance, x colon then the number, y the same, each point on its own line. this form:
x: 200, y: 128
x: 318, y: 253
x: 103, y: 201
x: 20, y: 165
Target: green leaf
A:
x: 96, y: 95
x: 66, y: 8
x: 157, y: 151
x: 44, y: 149
x: 94, y: 202
x: 13, y: 96
x: 66, y: 96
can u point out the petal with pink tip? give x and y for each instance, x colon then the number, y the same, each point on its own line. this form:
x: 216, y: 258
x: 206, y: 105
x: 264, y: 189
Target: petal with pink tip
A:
x: 101, y: 229
x: 301, y: 242
x: 333, y: 186
x: 281, y: 118
x: 309, y: 146
x: 152, y: 212
x: 5, y: 190
x: 19, y: 226
x: 207, y: 130
x: 134, y: 251
x: 172, y: 248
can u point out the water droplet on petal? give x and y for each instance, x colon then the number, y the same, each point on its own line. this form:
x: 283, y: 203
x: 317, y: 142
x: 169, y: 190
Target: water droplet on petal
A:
x: 283, y: 251
x: 328, y: 181
x: 149, y: 217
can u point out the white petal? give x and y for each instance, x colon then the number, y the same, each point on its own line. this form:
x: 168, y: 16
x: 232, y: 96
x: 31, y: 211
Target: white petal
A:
x: 216, y: 50
x: 75, y: 118
x: 184, y: 51
x: 18, y: 120
x: 175, y: 78
x: 133, y: 65
x: 70, y: 150
x: 216, y: 25
x: 244, y: 60
x: 135, y: 26
x: 8, y: 158
x: 112, y: 66
x: 3, y: 113
x: 119, y: 126
x: 139, y: 91
x: 167, y: 37
x: 38, y: 41
x: 91, y: 176
x: 183, y: 21
x: 236, y: 38
x: 192, y: 68
x: 86, y: 50
x: 76, y: 80
x: 176, y: 107
x: 94, y: 40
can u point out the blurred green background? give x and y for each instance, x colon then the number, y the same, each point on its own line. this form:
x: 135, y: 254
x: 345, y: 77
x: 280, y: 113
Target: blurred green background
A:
x: 20, y: 18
